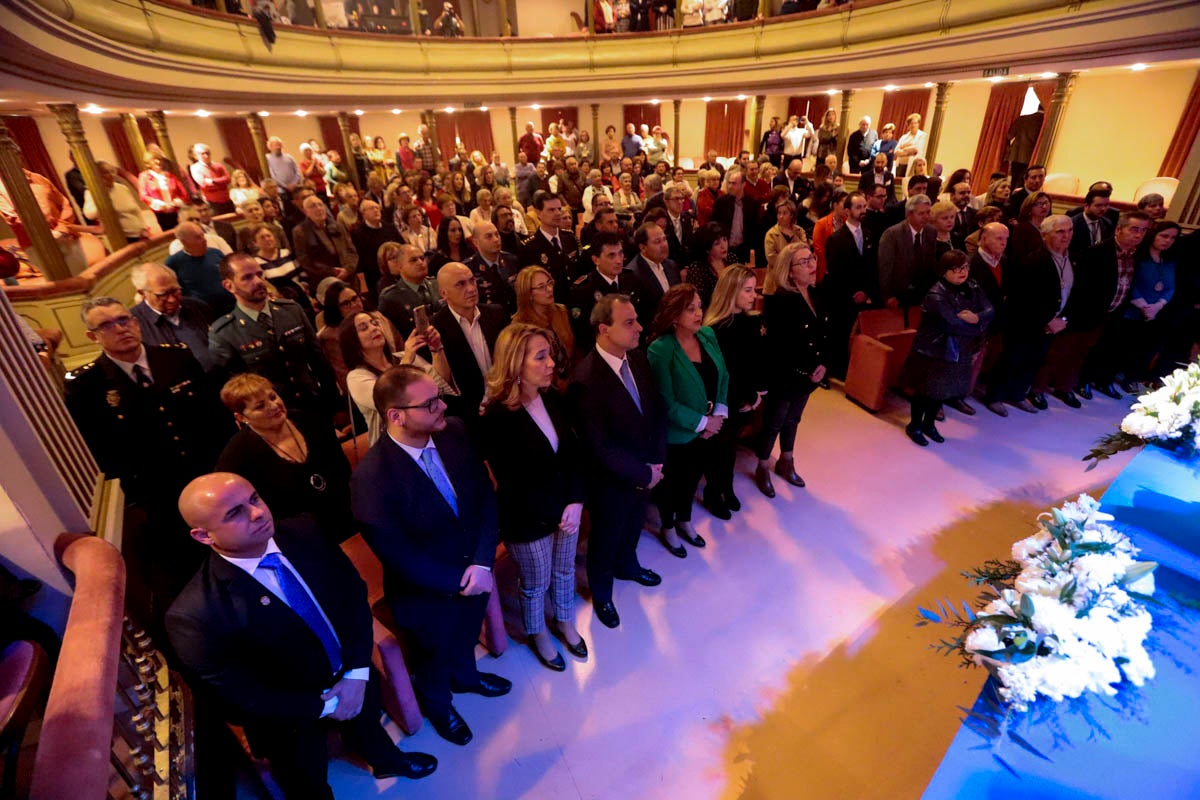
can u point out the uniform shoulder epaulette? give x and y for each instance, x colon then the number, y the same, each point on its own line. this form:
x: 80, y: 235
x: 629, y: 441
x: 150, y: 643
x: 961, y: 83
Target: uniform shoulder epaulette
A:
x: 582, y: 279
x: 528, y: 239
x: 222, y: 322
x: 171, y: 346
x: 83, y: 370
x: 283, y: 301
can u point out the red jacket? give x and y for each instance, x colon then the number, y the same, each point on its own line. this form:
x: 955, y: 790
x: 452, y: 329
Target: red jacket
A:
x: 151, y: 188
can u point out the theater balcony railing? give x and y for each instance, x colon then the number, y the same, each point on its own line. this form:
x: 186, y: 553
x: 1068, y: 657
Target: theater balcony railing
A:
x: 152, y: 51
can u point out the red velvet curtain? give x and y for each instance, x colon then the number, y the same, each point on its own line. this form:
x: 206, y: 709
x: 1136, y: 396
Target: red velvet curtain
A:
x: 725, y: 127
x: 1185, y: 134
x: 34, y: 157
x: 813, y: 105
x: 899, y: 104
x: 331, y: 132
x: 564, y: 113
x: 1004, y: 106
x: 114, y: 128
x: 472, y: 128
x: 642, y: 114
x: 239, y: 145
x: 149, y: 136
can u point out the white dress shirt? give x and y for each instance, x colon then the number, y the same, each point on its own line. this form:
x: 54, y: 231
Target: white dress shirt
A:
x: 476, y: 339
x: 541, y: 417
x: 127, y: 366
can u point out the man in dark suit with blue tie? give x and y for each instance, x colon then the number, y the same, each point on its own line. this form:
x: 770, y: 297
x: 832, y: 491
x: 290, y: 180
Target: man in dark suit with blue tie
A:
x: 427, y: 509
x: 655, y: 272
x: 622, y: 421
x: 275, y: 628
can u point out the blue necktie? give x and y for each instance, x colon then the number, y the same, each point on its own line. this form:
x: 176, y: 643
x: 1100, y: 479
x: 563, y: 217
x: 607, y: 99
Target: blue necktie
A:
x: 439, y: 478
x: 299, y: 601
x: 630, y: 385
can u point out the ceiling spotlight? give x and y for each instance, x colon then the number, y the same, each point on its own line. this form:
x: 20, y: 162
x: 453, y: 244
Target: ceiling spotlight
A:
x: 831, y: 92
x: 449, y: 109
x: 302, y: 113
x: 655, y: 101
x: 891, y: 87
x: 707, y: 99
x: 264, y: 113
x: 1048, y: 75
x: 536, y: 107
x: 396, y: 111
x: 741, y: 97
x: 202, y: 113
x: 483, y: 108
x: 1138, y: 67
x: 92, y: 108
x: 996, y: 79
x: 358, y: 112
x: 928, y: 84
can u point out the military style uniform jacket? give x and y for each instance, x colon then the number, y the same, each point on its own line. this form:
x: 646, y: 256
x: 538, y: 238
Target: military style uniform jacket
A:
x: 286, y: 353
x: 584, y: 294
x: 536, y: 250
x: 154, y: 439
x: 397, y: 302
x: 496, y: 282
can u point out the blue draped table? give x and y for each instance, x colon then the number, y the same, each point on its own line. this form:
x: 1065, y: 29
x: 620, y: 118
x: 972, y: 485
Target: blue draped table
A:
x: 1143, y: 744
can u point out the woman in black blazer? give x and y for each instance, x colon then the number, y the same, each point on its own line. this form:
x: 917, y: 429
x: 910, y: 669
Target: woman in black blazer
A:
x: 797, y: 351
x: 536, y: 462
x: 739, y: 331
x: 294, y: 462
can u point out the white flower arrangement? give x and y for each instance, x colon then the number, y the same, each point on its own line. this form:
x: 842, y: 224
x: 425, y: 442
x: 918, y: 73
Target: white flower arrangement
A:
x: 1064, y: 616
x: 1168, y: 416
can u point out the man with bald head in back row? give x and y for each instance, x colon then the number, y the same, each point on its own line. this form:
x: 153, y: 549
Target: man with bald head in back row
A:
x: 469, y: 330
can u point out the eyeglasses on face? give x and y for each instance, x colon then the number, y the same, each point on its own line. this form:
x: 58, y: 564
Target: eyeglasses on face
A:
x: 549, y: 284
x: 430, y: 405
x: 108, y: 326
x: 350, y: 301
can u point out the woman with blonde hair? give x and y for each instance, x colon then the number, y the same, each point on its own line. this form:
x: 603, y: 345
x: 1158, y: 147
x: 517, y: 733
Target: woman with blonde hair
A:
x: 739, y: 331
x: 784, y: 232
x: 998, y: 192
x: 942, y: 216
x: 482, y: 212
x: 536, y: 306
x: 797, y: 349
x: 911, y: 144
x: 241, y: 188
x: 537, y: 464
x: 827, y: 134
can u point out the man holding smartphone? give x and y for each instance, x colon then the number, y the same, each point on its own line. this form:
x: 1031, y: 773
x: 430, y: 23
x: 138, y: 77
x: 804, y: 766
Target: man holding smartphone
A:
x: 414, y: 287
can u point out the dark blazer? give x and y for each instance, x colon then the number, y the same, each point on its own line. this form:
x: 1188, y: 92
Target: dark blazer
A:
x: 536, y: 250
x: 156, y: 439
x: 681, y: 249
x: 981, y: 273
x: 587, y: 290
x: 905, y: 270
x: 367, y: 241
x: 619, y: 441
x: 858, y: 149
x: 741, y: 337
x: 797, y: 339
x: 1081, y: 240
x: 464, y: 368
x: 868, y: 180
x: 256, y: 656
x: 964, y: 226
x: 799, y: 188
x: 940, y: 333
x: 651, y: 290
x: 194, y: 319
x: 847, y: 270
x: 423, y: 546
x: 227, y: 232
x: 1033, y: 293
x: 496, y: 282
x: 1095, y: 286
x: 534, y: 483
x: 752, y: 237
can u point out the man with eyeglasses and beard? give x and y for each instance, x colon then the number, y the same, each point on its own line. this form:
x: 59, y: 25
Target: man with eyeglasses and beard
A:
x: 166, y: 316
x: 152, y: 421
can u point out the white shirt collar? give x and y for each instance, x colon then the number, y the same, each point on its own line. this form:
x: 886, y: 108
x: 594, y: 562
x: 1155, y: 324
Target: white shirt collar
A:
x: 249, y: 565
x: 613, y: 362
x: 127, y: 366
x: 414, y: 452
x: 461, y: 319
x: 987, y: 258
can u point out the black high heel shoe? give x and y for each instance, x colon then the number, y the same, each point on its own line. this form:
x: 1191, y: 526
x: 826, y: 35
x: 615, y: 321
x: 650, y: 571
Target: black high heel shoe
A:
x: 688, y: 534
x: 676, y: 551
x: 557, y: 663
x: 579, y: 649
x: 716, y: 506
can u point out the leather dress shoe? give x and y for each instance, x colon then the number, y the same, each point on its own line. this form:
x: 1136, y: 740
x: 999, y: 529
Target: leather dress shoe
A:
x: 579, y: 649
x: 452, y: 727
x: 689, y: 535
x: 1024, y: 405
x: 934, y: 435
x: 557, y: 663
x: 644, y: 576
x: 961, y: 406
x: 1038, y: 401
x: 916, y: 436
x: 1084, y: 391
x: 405, y: 765
x: 732, y: 501
x: 1109, y: 389
x: 785, y: 468
x: 762, y: 479
x: 716, y: 506
x: 997, y: 408
x: 1069, y: 399
x: 489, y: 686
x: 607, y: 614
x: 678, y: 551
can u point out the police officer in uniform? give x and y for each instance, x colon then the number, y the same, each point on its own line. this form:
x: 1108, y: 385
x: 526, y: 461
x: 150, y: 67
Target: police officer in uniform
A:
x: 495, y: 271
x: 608, y: 276
x: 152, y: 420
x: 272, y: 338
x: 413, y: 288
x: 551, y: 246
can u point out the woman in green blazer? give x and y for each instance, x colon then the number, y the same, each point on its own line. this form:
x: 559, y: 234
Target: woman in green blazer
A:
x: 693, y: 381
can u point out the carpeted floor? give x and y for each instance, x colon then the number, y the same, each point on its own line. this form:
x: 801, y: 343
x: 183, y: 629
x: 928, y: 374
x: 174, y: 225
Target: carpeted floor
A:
x: 780, y: 661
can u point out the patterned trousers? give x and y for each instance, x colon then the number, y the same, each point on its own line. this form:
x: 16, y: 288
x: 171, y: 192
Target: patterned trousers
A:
x: 546, y: 564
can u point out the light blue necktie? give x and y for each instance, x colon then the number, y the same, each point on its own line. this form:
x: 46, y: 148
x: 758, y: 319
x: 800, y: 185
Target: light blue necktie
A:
x: 299, y: 601
x: 439, y: 478
x: 630, y: 385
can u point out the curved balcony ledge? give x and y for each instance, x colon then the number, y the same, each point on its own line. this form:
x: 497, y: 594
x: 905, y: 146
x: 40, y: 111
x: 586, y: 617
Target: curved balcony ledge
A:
x: 145, y: 50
